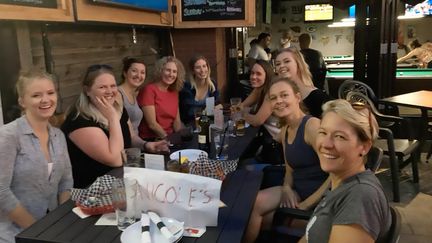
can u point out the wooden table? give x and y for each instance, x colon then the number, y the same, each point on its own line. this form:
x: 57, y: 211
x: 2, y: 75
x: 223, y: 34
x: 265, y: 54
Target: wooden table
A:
x: 238, y: 192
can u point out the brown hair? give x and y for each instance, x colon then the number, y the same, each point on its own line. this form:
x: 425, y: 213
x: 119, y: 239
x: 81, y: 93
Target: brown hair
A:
x: 127, y: 63
x: 302, y: 67
x: 192, y: 81
x: 269, y: 74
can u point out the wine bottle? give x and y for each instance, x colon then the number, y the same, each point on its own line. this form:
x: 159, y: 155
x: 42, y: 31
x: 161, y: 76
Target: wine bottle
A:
x: 203, y: 136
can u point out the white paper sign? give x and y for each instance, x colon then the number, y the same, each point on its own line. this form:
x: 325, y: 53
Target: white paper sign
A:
x: 219, y: 119
x: 154, y: 161
x: 189, y: 198
x: 210, y: 101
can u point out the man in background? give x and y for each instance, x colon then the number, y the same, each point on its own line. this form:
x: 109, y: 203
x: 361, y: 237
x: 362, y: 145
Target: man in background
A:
x: 257, y: 51
x: 314, y: 59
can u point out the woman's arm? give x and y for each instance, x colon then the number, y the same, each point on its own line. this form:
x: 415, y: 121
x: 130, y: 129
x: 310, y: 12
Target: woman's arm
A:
x: 261, y: 116
x: 177, y: 122
x: 153, y: 147
x: 20, y: 216
x: 64, y: 196
x: 409, y: 55
x: 251, y: 99
x: 150, y: 118
x: 311, y: 128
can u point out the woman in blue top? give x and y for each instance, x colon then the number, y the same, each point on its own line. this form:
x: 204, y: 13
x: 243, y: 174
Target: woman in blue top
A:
x: 304, y: 179
x: 36, y: 172
x: 197, y: 89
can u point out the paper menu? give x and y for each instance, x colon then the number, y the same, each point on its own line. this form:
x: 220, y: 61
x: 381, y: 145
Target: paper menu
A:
x: 210, y: 102
x: 154, y: 161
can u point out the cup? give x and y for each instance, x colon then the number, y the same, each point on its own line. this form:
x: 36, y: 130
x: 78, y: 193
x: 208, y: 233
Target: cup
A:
x: 123, y: 200
x: 131, y: 157
x: 197, y: 115
x: 221, y: 142
x: 173, y: 165
x: 240, y: 127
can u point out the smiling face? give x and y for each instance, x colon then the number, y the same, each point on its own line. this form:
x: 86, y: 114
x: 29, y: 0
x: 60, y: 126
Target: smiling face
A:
x: 257, y: 76
x: 201, y: 70
x: 169, y: 73
x: 286, y: 65
x: 339, y: 147
x: 39, y: 99
x: 136, y: 74
x: 105, y: 86
x: 284, y: 101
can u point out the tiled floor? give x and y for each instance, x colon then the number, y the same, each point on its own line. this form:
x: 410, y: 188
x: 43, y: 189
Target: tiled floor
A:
x: 416, y: 202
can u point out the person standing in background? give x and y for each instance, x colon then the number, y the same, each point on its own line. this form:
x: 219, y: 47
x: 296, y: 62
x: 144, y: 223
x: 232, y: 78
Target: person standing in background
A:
x: 36, y: 173
x: 159, y: 100
x: 422, y: 52
x: 314, y: 59
x: 257, y: 52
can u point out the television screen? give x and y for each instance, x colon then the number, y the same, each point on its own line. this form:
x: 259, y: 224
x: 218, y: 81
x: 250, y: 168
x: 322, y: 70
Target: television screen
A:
x: 423, y: 8
x: 318, y: 12
x: 154, y: 5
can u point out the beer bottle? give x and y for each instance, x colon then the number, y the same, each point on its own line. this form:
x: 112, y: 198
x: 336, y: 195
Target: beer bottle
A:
x: 203, y: 136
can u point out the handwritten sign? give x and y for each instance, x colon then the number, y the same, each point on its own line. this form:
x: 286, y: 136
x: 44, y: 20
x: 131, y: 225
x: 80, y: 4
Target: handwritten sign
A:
x: 185, y: 197
x: 201, y: 10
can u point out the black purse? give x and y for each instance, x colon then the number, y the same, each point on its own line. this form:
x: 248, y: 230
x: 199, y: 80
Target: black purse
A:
x: 264, y: 149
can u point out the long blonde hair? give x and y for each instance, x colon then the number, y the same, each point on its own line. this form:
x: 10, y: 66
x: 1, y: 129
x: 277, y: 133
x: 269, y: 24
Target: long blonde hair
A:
x: 302, y: 67
x: 83, y: 105
x: 192, y: 80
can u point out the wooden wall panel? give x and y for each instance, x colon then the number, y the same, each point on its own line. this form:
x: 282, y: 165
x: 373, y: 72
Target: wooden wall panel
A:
x: 75, y: 47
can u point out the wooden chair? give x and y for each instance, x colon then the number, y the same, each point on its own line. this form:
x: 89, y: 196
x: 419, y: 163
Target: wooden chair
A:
x: 401, y: 152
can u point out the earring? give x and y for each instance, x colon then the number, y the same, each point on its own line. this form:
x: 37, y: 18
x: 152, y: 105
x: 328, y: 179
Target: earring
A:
x: 360, y: 155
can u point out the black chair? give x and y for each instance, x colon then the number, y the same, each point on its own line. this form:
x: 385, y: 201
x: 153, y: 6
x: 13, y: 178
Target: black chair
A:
x: 394, y: 233
x: 429, y: 154
x: 279, y: 230
x: 353, y: 85
x: 401, y: 152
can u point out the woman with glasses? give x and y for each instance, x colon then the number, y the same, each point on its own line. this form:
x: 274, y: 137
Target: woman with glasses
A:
x: 97, y: 128
x: 197, y: 89
x: 304, y: 180
x: 36, y: 173
x: 289, y: 63
x: 355, y: 206
x: 159, y: 100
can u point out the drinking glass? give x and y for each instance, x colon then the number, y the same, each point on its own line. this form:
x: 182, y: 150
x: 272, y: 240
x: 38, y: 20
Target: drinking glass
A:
x: 220, y: 141
x: 131, y: 157
x: 197, y: 115
x: 123, y: 200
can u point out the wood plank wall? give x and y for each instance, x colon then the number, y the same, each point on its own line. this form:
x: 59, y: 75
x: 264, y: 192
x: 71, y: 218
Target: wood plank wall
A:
x: 74, y: 47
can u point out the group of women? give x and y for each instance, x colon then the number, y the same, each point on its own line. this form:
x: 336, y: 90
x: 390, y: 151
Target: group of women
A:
x: 319, y: 154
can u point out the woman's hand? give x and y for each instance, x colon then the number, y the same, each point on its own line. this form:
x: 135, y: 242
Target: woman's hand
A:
x: 290, y: 198
x: 106, y: 108
x: 157, y: 147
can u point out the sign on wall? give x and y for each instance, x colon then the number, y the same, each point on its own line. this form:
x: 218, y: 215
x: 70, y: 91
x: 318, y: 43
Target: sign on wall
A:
x: 156, y: 5
x: 32, y: 3
x: 199, y: 10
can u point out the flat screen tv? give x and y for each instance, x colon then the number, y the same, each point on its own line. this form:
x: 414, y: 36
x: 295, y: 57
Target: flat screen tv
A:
x: 423, y: 8
x: 318, y: 12
x: 153, y: 5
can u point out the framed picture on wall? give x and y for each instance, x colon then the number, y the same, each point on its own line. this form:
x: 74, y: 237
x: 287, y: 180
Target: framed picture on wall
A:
x: 41, y: 10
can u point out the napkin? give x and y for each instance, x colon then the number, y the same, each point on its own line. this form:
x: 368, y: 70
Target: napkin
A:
x: 161, y: 226
x: 145, y: 225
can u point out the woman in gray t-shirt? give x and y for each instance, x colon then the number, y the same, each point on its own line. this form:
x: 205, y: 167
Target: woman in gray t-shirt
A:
x: 356, y: 206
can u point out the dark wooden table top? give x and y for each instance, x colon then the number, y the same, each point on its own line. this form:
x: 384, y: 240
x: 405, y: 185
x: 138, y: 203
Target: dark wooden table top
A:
x: 238, y: 192
x: 420, y: 99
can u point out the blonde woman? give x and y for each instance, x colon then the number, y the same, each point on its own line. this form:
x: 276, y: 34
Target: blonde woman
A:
x: 355, y: 205
x: 289, y: 63
x: 97, y: 128
x: 197, y: 89
x: 159, y: 100
x: 36, y: 172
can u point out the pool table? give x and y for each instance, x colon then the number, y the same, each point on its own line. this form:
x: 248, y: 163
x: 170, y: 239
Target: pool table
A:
x: 407, y: 79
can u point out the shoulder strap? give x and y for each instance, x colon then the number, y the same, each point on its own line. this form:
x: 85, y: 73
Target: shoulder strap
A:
x: 288, y: 170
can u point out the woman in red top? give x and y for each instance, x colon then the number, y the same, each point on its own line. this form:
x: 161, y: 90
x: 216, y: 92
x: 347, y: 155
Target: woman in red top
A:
x: 159, y: 100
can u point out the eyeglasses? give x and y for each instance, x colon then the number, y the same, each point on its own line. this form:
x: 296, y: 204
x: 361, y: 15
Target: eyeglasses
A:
x: 358, y: 106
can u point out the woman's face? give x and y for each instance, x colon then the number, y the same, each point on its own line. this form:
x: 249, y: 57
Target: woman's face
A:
x: 286, y: 65
x: 39, y: 99
x: 283, y: 100
x: 338, y: 145
x: 169, y: 73
x: 257, y: 76
x: 201, y: 70
x: 136, y: 74
x: 104, y: 86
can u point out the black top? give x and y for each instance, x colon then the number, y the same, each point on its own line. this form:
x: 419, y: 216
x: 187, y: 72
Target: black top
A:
x: 317, y: 66
x: 188, y: 104
x: 85, y: 170
x: 314, y: 102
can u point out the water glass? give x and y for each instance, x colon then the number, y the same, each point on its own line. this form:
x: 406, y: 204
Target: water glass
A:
x: 221, y: 143
x: 123, y: 200
x: 131, y: 157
